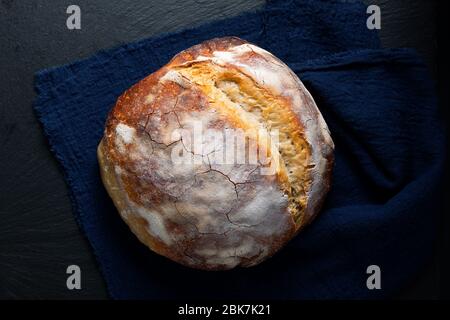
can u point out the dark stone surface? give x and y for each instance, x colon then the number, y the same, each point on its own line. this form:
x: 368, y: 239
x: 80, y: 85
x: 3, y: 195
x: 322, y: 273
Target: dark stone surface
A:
x: 38, y: 234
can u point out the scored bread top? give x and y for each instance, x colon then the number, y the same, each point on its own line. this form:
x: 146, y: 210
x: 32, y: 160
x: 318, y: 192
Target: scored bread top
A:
x: 203, y: 213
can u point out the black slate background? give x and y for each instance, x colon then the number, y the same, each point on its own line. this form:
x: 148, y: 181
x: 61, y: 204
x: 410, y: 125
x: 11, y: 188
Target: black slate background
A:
x: 38, y: 234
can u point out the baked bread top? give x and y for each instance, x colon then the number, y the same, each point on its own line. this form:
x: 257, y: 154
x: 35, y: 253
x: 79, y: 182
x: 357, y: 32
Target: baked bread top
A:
x: 219, y: 158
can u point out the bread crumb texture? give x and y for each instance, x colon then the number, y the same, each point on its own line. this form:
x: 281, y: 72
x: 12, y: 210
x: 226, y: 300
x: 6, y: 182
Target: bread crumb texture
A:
x: 199, y: 210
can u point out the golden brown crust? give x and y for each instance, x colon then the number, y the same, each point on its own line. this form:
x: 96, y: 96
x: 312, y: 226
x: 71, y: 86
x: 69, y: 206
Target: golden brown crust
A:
x: 204, y: 213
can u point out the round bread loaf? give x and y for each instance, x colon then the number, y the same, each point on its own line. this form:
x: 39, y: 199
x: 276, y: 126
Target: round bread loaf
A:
x: 219, y: 158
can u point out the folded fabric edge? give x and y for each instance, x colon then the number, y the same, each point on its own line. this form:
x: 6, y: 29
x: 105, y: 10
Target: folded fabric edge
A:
x: 364, y: 56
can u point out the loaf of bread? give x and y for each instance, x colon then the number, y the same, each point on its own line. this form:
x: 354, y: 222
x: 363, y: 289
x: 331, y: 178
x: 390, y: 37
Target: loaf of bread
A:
x: 219, y: 158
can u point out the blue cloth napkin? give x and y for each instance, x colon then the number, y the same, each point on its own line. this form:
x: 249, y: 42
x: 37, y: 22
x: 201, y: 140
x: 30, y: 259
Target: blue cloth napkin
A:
x: 380, y: 108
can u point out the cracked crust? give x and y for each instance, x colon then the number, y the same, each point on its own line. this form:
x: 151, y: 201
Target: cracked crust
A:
x: 200, y: 212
